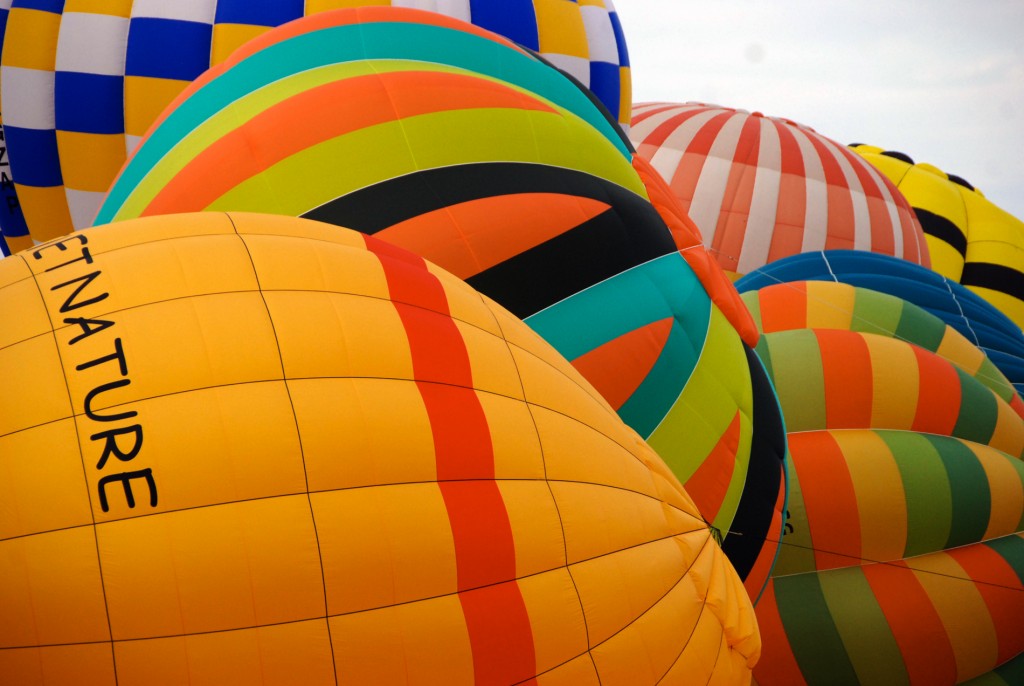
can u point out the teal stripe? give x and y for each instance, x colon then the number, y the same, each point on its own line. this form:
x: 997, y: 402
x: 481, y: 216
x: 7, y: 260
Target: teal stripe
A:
x: 978, y: 410
x: 655, y: 290
x: 379, y: 40
x: 660, y: 389
x: 816, y: 643
x: 920, y: 327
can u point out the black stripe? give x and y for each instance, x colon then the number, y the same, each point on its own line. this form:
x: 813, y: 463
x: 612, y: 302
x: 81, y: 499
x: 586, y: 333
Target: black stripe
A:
x: 753, y: 518
x: 628, y: 234
x: 995, y: 277
x: 391, y: 201
x: 943, y: 229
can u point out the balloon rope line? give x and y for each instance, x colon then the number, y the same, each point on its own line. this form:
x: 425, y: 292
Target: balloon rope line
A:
x: 894, y: 564
x: 892, y: 334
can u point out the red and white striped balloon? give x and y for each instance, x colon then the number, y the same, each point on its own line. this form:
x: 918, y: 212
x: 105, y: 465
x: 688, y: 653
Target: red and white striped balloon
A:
x: 763, y: 188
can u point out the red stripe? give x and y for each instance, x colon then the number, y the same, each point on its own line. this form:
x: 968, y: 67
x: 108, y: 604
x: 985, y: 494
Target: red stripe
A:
x: 791, y: 206
x: 762, y: 568
x: 915, y: 624
x: 687, y: 173
x: 829, y: 499
x: 662, y: 131
x: 734, y: 214
x: 840, y: 231
x: 496, y: 618
x: 939, y: 394
x: 1001, y: 589
x: 710, y: 483
x: 846, y: 370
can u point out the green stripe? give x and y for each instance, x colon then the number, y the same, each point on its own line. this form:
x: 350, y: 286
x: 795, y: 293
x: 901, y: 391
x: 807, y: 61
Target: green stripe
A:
x: 1011, y: 549
x: 926, y: 488
x: 979, y: 411
x: 862, y: 625
x: 875, y: 312
x: 1010, y: 673
x: 989, y: 375
x: 920, y: 327
x: 812, y: 633
x: 381, y: 40
x: 971, y: 495
x: 796, y: 553
x: 796, y: 372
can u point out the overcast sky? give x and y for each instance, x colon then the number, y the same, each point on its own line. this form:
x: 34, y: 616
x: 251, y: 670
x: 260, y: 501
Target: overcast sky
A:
x: 940, y: 80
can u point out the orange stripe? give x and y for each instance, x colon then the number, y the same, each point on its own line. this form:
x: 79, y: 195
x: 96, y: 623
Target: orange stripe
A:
x: 496, y: 617
x: 916, y: 626
x: 326, y: 20
x: 617, y: 368
x: 1001, y: 589
x: 710, y: 482
x: 846, y: 368
x: 321, y: 113
x: 783, y: 307
x: 939, y: 394
x: 829, y: 499
x: 777, y: 665
x: 470, y: 237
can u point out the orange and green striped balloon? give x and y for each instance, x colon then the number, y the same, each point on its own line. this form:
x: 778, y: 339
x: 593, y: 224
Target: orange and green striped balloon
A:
x: 241, y: 448
x: 903, y: 558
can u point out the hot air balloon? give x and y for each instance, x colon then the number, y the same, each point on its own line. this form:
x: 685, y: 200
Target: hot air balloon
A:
x: 980, y: 322
x: 471, y: 152
x: 902, y: 560
x: 763, y: 188
x: 971, y: 240
x: 82, y: 81
x: 346, y: 464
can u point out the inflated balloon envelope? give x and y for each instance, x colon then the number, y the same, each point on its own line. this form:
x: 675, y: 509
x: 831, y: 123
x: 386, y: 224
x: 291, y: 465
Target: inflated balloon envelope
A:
x: 254, y: 449
x: 454, y: 143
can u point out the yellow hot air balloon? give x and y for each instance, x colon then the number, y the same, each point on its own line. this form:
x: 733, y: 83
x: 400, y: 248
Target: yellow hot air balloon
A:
x: 239, y: 448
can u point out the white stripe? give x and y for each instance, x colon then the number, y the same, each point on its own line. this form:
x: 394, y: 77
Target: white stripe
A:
x: 92, y: 43
x: 579, y: 67
x: 202, y: 11
x: 5, y: 4
x: 714, y: 175
x: 600, y: 34
x: 459, y: 9
x: 642, y: 129
x: 816, y: 211
x: 892, y: 207
x: 764, y: 202
x: 668, y: 156
x: 27, y: 95
x: 130, y: 143
x: 83, y: 206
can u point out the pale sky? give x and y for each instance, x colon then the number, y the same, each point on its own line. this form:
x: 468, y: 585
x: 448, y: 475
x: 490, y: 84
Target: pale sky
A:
x: 940, y: 80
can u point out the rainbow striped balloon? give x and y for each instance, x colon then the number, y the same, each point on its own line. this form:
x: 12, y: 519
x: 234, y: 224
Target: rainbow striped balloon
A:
x: 762, y: 188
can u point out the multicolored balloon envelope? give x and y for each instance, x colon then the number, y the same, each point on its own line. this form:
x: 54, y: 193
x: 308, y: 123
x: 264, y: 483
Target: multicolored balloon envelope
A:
x: 254, y: 449
x: 903, y: 560
x: 82, y: 81
x: 763, y: 188
x: 971, y: 240
x: 467, y: 150
x: 980, y: 322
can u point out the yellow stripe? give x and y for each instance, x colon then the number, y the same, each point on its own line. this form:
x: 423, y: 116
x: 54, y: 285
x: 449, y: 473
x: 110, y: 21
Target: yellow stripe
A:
x: 560, y: 28
x: 114, y: 8
x: 961, y: 352
x: 893, y: 403
x: 881, y: 500
x: 229, y: 37
x: 1006, y: 483
x: 962, y: 611
x: 1008, y: 435
x: 830, y: 305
